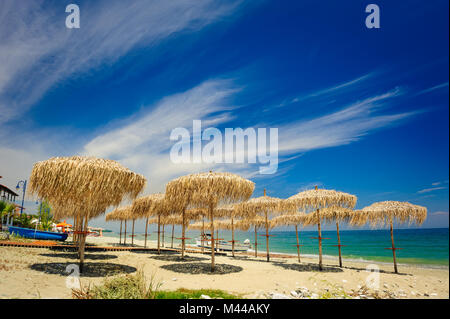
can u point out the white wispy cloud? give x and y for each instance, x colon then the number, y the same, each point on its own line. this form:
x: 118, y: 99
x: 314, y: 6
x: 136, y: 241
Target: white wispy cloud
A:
x: 37, y: 50
x: 341, y: 127
x: 433, y: 88
x: 432, y: 189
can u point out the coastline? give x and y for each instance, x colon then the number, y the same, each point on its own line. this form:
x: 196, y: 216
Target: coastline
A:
x: 39, y: 273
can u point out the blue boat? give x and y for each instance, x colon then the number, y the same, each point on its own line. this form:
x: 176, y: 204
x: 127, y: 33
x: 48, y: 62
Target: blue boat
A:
x: 37, y: 234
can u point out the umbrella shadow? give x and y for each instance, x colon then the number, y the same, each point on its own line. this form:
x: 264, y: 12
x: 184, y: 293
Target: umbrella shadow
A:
x: 90, y: 269
x: 177, y: 258
x: 202, y: 268
x: 155, y: 252
x: 86, y: 256
x: 306, y: 267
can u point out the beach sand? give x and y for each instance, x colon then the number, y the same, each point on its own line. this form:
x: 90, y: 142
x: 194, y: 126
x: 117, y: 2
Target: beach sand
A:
x: 27, y: 273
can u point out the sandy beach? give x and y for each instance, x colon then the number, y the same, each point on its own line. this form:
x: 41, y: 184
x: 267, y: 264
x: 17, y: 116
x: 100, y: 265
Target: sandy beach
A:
x: 39, y: 273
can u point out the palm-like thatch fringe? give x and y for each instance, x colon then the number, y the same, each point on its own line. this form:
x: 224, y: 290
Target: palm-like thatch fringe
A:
x: 265, y: 206
x: 119, y: 214
x: 385, y: 213
x: 207, y: 190
x: 151, y: 205
x: 221, y: 224
x: 260, y: 205
x: 328, y: 215
x: 321, y: 198
x: 92, y: 182
x: 380, y: 214
x: 289, y: 219
x: 327, y: 203
x: 85, y: 185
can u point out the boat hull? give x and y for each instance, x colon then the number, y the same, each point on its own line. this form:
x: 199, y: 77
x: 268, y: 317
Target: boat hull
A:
x: 37, y: 234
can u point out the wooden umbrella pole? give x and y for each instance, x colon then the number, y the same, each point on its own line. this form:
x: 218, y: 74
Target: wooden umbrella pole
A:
x: 232, y: 236
x: 83, y: 243
x: 146, y: 228
x: 120, y: 233
x: 163, y: 225
x: 393, y: 247
x: 132, y: 235
x: 320, y: 239
x: 339, y: 244
x: 125, y: 234
x: 173, y: 228
x: 212, y: 236
x: 267, y: 236
x: 183, y: 231
x: 256, y: 243
x: 159, y: 225
x: 203, y: 234
x: 298, y: 243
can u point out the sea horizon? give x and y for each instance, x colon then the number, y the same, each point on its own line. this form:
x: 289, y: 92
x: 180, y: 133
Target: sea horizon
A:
x: 419, y: 246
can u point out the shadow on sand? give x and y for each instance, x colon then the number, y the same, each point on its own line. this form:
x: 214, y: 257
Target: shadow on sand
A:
x: 90, y: 269
x: 307, y: 267
x: 86, y: 256
x: 202, y: 268
x: 177, y: 258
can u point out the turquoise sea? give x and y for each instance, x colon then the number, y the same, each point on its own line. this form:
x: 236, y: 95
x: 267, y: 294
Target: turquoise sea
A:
x: 420, y: 246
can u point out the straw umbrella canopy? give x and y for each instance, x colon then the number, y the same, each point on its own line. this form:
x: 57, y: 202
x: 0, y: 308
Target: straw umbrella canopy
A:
x: 318, y: 200
x: 291, y: 220
x: 208, y: 190
x: 89, y: 184
x: 119, y: 214
x: 229, y: 211
x: 330, y: 214
x: 265, y: 206
x: 257, y: 222
x: 385, y: 213
x: 148, y: 206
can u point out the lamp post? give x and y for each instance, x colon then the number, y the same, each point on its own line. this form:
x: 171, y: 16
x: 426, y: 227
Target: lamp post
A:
x: 24, y: 186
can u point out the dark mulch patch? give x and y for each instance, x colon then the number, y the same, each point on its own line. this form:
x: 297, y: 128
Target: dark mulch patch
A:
x: 86, y: 256
x: 307, y: 267
x: 202, y: 268
x: 89, y: 269
x: 177, y: 258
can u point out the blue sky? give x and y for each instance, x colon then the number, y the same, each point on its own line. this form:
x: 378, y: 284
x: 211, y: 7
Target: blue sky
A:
x: 359, y: 110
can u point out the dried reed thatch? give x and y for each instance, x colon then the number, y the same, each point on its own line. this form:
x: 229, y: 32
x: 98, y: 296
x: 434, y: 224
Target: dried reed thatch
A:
x: 380, y: 214
x: 74, y: 181
x: 291, y: 220
x: 207, y: 190
x: 330, y: 202
x: 265, y: 206
x: 385, y: 213
x: 88, y: 185
x: 321, y: 198
x: 258, y: 222
x: 328, y: 215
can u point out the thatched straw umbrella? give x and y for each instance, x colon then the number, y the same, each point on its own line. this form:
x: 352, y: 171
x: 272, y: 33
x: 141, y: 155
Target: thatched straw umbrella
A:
x: 265, y: 206
x: 208, y: 190
x: 119, y: 214
x: 319, y: 199
x: 89, y: 185
x: 383, y: 213
x: 257, y: 222
x: 332, y: 214
x: 291, y: 220
x: 173, y: 220
x: 148, y: 206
